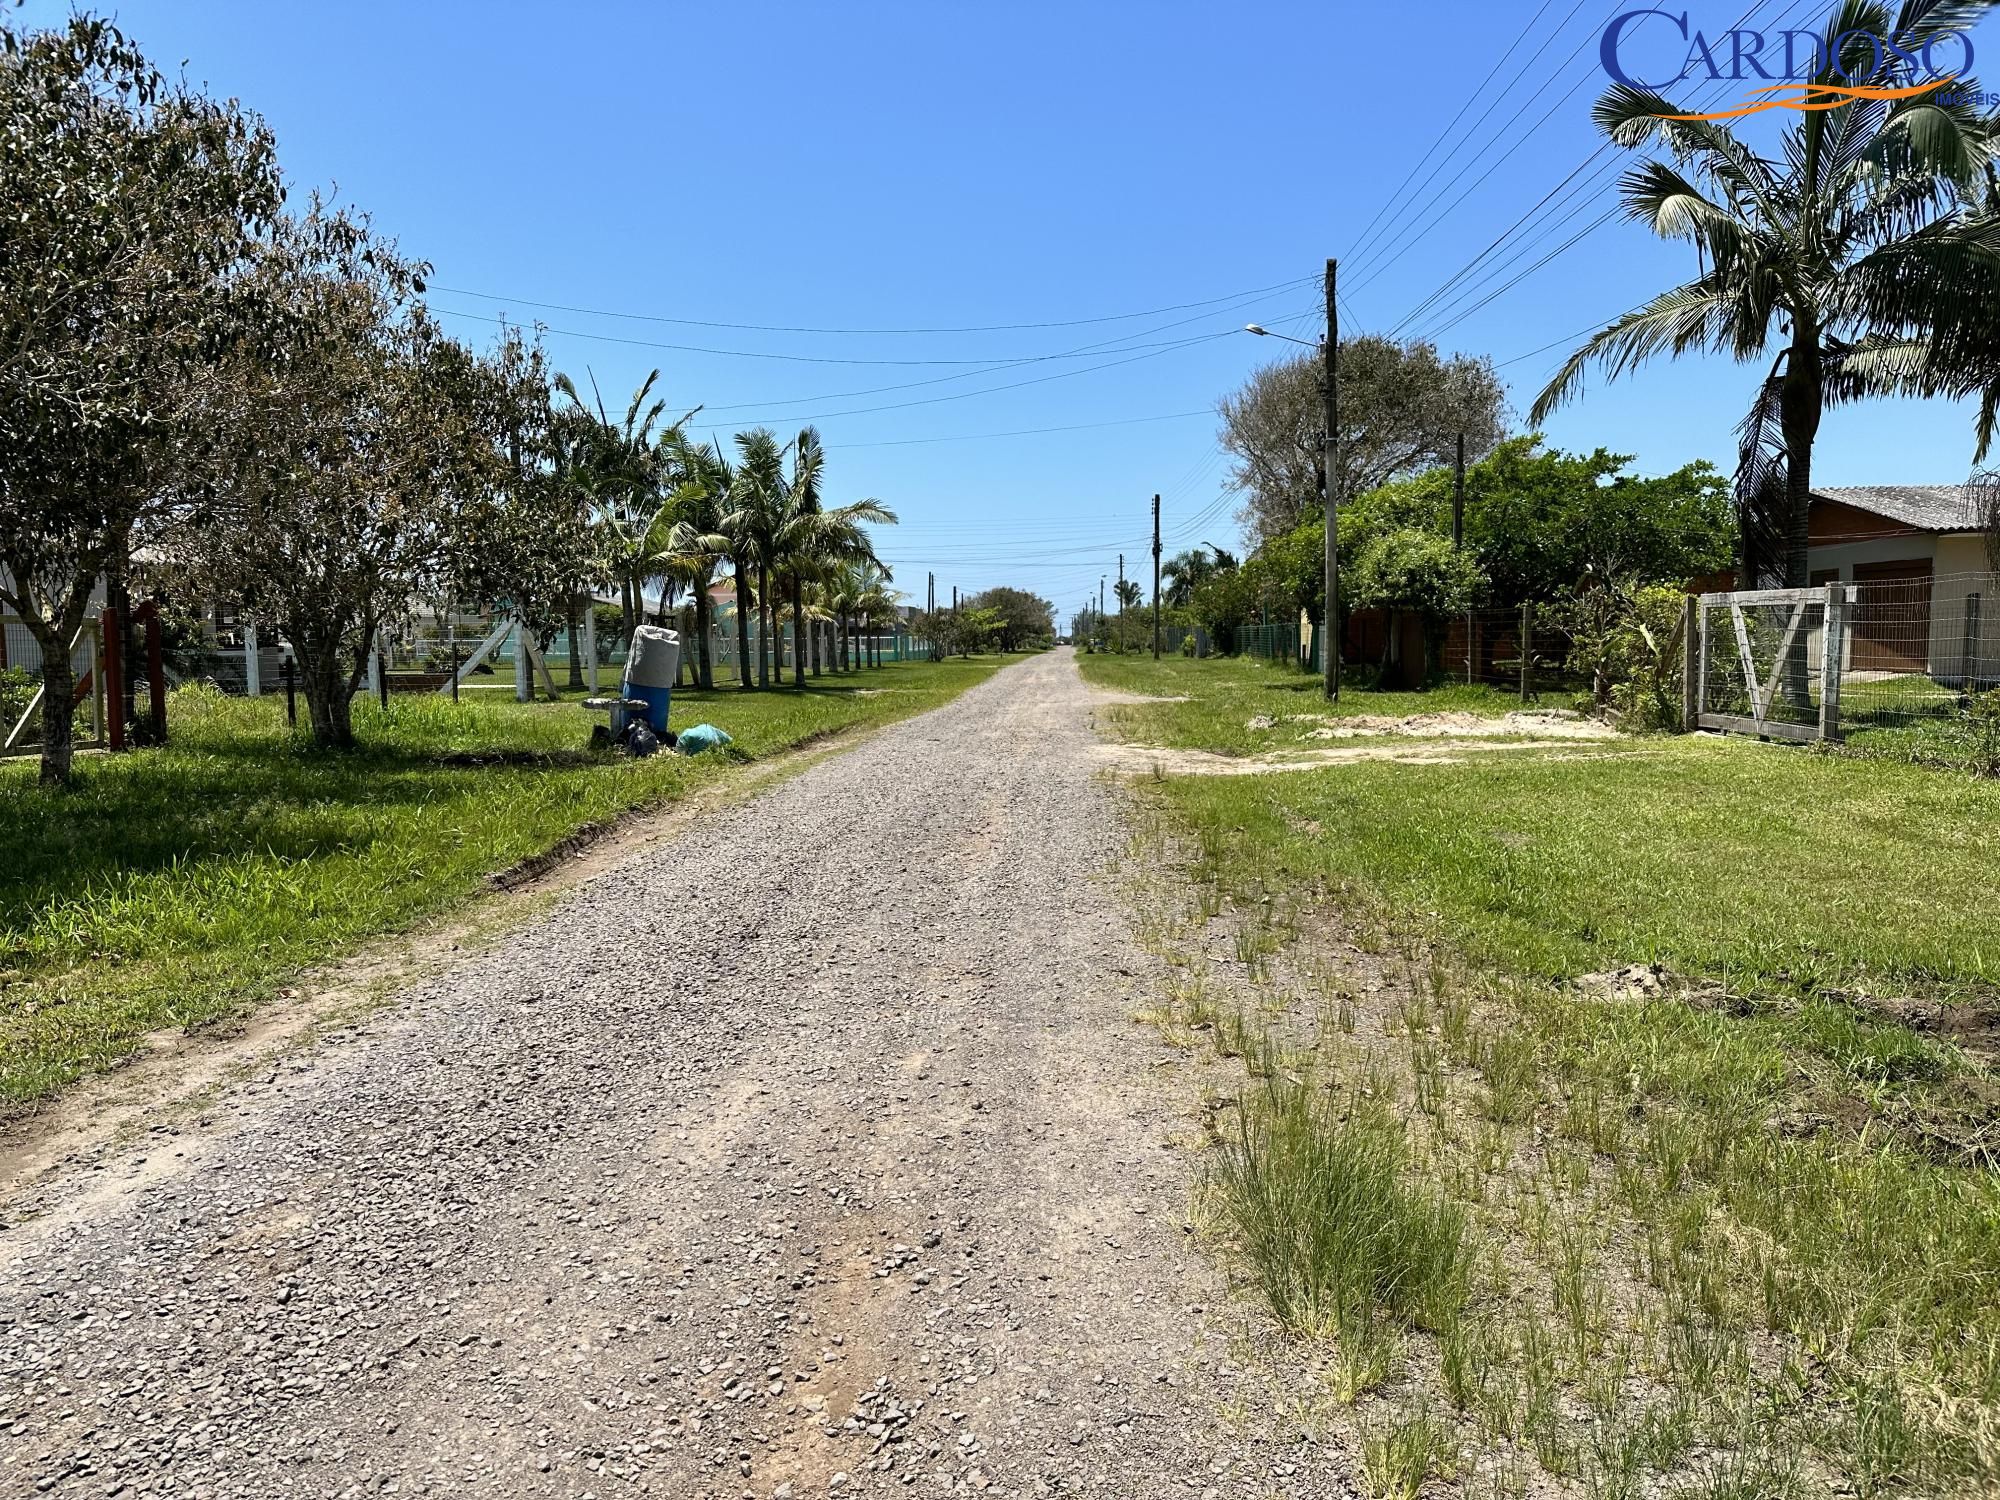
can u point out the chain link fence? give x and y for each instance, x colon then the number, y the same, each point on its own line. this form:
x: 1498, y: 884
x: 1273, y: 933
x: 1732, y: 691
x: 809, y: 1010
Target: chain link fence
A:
x: 1853, y: 660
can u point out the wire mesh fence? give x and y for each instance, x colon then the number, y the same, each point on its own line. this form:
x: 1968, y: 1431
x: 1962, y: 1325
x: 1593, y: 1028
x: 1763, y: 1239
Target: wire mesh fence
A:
x: 1844, y: 658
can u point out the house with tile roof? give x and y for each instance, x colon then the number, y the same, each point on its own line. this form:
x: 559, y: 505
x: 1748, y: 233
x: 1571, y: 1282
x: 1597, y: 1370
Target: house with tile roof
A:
x: 1929, y: 600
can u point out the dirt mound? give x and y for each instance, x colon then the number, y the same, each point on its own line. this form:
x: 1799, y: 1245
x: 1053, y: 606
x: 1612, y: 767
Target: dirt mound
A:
x: 1544, y: 723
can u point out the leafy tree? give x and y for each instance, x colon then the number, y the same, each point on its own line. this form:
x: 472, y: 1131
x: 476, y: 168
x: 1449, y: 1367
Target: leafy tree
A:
x: 1402, y: 409
x: 1844, y: 250
x: 1411, y: 569
x: 1129, y: 597
x: 365, y: 463
x: 533, y: 547
x: 1543, y: 521
x: 1022, y: 618
x: 132, y: 204
x: 1540, y: 521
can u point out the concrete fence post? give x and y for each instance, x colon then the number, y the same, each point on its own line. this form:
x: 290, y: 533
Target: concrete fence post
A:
x: 253, y: 669
x: 1832, y: 660
x: 1690, y: 664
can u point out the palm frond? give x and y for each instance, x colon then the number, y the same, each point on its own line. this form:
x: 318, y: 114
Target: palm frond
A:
x: 1696, y: 315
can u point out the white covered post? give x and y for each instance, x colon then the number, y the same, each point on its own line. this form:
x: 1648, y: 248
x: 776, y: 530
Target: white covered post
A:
x: 589, y: 643
x: 253, y: 669
x: 522, y: 690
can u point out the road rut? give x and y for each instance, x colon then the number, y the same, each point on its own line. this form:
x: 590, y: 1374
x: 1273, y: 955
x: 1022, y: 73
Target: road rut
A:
x: 813, y: 1152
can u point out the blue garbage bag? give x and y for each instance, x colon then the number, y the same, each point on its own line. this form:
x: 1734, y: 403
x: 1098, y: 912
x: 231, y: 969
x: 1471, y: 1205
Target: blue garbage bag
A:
x: 701, y: 737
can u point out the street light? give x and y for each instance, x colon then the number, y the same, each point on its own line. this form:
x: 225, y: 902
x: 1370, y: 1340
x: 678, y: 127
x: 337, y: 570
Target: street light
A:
x: 1329, y: 348
x: 1262, y: 332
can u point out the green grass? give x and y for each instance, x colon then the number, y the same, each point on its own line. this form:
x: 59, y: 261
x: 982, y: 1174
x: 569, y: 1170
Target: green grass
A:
x: 1772, y: 1208
x: 175, y: 886
x: 1759, y: 865
x: 1224, y: 694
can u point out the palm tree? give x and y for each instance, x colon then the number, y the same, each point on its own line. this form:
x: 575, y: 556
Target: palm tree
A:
x: 621, y: 467
x: 808, y: 540
x: 1187, y: 571
x: 1129, y: 597
x: 1846, y: 244
x: 873, y: 599
x: 756, y: 500
x: 687, y: 539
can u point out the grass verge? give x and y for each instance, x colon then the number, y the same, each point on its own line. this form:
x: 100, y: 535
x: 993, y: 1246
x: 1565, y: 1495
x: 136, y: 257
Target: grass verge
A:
x: 1733, y: 1232
x: 175, y: 886
x: 1243, y: 706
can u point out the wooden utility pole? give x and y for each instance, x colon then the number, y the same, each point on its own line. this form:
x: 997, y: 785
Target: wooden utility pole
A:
x: 1330, y: 459
x: 1156, y: 578
x: 1121, y: 604
x: 1458, y: 499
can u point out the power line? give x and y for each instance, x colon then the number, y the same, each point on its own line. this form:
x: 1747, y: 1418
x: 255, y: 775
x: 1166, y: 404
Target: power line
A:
x: 1399, y: 239
x: 781, y: 328
x: 1357, y: 255
x: 967, y: 437
x: 1553, y: 225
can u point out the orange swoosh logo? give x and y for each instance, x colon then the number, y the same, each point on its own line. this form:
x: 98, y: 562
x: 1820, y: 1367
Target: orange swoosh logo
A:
x: 1813, y: 98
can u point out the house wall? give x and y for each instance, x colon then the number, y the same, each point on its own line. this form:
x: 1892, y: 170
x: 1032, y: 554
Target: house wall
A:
x: 1965, y: 572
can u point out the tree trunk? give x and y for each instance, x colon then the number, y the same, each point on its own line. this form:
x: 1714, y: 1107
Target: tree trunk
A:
x: 705, y: 675
x: 575, y: 624
x: 763, y: 626
x: 329, y: 688
x: 58, y: 704
x: 1800, y: 402
x: 118, y: 594
x: 798, y: 631
x: 742, y: 628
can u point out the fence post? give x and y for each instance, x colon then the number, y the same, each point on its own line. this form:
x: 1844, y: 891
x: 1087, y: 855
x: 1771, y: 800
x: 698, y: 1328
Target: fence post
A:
x: 291, y: 695
x: 156, y: 675
x: 523, y: 684
x: 1970, y: 652
x: 1527, y: 646
x: 112, y: 684
x: 1832, y: 654
x: 381, y: 673
x: 374, y: 667
x: 1690, y: 665
x: 253, y: 670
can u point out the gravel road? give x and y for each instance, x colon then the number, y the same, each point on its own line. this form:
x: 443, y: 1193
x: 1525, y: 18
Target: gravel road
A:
x: 816, y: 1152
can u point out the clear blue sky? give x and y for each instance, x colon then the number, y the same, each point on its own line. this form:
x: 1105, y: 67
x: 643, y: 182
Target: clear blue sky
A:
x: 942, y: 165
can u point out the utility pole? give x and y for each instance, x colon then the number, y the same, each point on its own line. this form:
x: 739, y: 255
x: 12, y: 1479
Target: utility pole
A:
x: 1100, y: 605
x: 1458, y: 499
x: 1121, y: 604
x: 1330, y: 458
x: 1156, y: 578
x: 954, y: 599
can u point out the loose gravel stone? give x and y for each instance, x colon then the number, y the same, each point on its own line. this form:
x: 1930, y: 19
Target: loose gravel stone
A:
x: 813, y: 1153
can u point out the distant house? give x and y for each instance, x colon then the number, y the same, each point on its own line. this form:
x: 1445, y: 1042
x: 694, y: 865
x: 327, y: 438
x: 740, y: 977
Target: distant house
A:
x: 1934, y: 604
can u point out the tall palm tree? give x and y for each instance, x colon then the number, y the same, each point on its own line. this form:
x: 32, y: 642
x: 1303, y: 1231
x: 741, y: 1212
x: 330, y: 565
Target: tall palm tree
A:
x: 1842, y: 247
x: 1187, y: 571
x: 756, y: 502
x: 688, y: 541
x: 873, y: 599
x: 807, y: 539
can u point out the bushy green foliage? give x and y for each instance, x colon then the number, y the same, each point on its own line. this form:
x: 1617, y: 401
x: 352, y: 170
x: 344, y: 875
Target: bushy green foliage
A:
x: 1627, y: 642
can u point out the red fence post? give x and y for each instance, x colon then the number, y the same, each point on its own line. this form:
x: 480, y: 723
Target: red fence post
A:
x: 114, y: 678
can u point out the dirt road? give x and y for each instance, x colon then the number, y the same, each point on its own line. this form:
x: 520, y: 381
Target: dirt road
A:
x: 817, y: 1153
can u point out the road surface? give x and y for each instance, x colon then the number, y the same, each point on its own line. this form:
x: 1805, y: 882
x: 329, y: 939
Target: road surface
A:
x: 814, y: 1151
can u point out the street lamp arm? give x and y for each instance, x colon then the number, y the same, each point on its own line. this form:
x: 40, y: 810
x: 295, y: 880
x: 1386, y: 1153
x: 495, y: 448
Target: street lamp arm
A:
x: 1262, y: 332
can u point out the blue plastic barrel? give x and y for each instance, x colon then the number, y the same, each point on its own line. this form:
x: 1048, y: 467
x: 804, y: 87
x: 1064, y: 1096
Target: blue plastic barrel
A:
x: 651, y: 669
